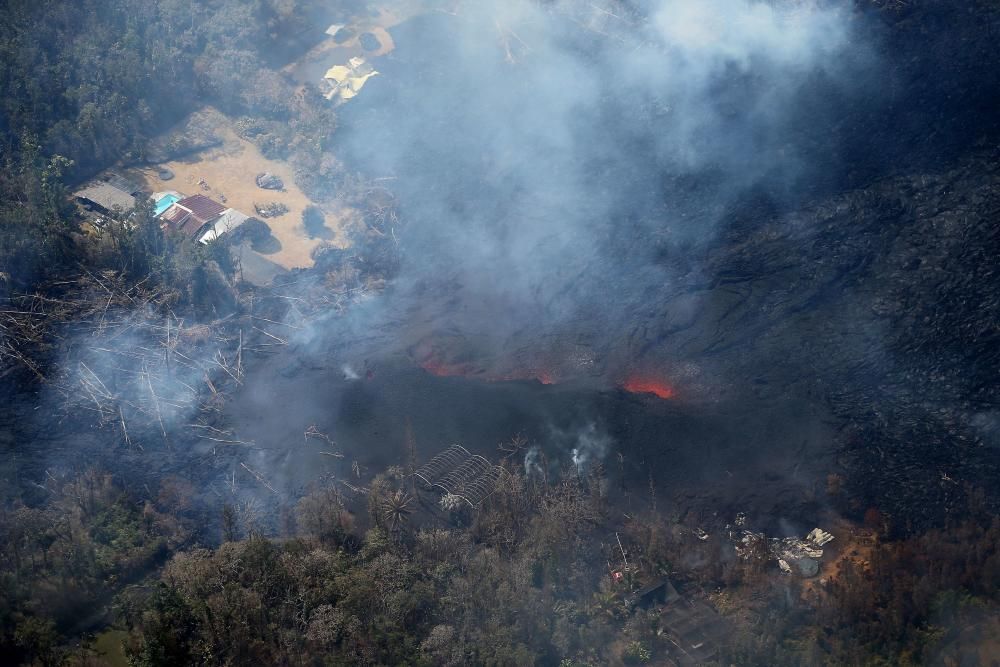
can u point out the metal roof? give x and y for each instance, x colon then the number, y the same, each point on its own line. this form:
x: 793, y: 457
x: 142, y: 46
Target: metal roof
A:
x: 106, y: 196
x: 191, y: 214
x: 227, y: 222
x: 202, y: 207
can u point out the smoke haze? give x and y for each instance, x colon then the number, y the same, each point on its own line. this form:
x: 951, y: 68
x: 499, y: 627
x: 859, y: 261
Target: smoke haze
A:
x: 552, y: 171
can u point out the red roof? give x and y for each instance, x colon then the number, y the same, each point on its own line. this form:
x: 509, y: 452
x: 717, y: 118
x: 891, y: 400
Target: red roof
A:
x: 192, y: 225
x: 192, y: 213
x: 202, y: 207
x: 175, y: 215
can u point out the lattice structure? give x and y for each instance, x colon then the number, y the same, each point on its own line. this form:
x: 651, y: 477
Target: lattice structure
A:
x: 460, y: 473
x: 438, y: 466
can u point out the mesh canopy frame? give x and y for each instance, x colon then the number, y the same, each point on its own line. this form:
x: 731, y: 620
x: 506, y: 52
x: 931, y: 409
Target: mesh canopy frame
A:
x: 460, y: 473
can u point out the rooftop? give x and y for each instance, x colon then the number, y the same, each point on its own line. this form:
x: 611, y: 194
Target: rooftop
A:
x: 192, y: 213
x: 106, y: 196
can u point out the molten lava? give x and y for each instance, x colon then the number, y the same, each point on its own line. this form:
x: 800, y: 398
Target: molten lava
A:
x: 644, y: 385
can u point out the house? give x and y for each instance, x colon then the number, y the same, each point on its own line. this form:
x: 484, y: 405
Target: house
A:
x: 198, y: 217
x: 105, y: 196
x: 191, y: 215
x: 225, y: 223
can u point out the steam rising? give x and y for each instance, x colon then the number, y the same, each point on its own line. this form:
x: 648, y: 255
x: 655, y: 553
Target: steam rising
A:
x: 591, y: 445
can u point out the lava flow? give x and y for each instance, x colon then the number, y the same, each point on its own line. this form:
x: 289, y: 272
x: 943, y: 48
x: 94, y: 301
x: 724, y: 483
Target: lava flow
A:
x: 643, y: 385
x: 443, y: 369
x: 437, y: 364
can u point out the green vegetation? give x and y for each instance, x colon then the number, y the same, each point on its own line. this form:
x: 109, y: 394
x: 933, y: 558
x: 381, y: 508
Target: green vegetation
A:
x: 60, y: 562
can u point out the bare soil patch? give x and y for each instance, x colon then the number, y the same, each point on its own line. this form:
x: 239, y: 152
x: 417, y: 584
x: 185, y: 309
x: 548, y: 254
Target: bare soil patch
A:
x: 227, y: 173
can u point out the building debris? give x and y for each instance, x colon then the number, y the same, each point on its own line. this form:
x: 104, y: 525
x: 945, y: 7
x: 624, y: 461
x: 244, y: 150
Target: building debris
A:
x: 791, y: 553
x: 819, y: 537
x: 344, y: 82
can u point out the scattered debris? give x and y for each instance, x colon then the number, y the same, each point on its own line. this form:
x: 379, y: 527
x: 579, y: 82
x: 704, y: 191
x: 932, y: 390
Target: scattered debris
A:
x: 700, y: 534
x: 819, y: 537
x: 345, y: 81
x: 791, y: 553
x: 314, y: 432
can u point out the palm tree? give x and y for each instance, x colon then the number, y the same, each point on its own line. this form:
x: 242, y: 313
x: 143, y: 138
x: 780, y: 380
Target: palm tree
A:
x: 396, y: 508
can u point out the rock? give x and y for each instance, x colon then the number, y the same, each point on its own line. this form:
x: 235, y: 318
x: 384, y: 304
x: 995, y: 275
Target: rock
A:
x: 269, y: 182
x: 270, y: 210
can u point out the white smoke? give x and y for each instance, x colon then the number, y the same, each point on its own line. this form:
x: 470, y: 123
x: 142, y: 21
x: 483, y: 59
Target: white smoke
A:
x: 591, y: 445
x: 532, y: 462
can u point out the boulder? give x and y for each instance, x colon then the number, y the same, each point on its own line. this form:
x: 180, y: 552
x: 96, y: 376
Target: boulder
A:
x: 269, y: 181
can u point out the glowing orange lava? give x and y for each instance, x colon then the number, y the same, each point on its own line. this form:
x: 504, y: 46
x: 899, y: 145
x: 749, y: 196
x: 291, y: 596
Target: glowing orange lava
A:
x: 641, y: 385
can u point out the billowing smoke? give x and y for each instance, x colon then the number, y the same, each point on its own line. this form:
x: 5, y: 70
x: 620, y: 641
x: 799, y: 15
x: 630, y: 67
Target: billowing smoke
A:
x: 556, y: 164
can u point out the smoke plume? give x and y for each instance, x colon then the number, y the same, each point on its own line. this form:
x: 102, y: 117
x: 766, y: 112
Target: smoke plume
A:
x: 558, y: 164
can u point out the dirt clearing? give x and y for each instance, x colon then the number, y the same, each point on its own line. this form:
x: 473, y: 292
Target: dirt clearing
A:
x: 227, y: 174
